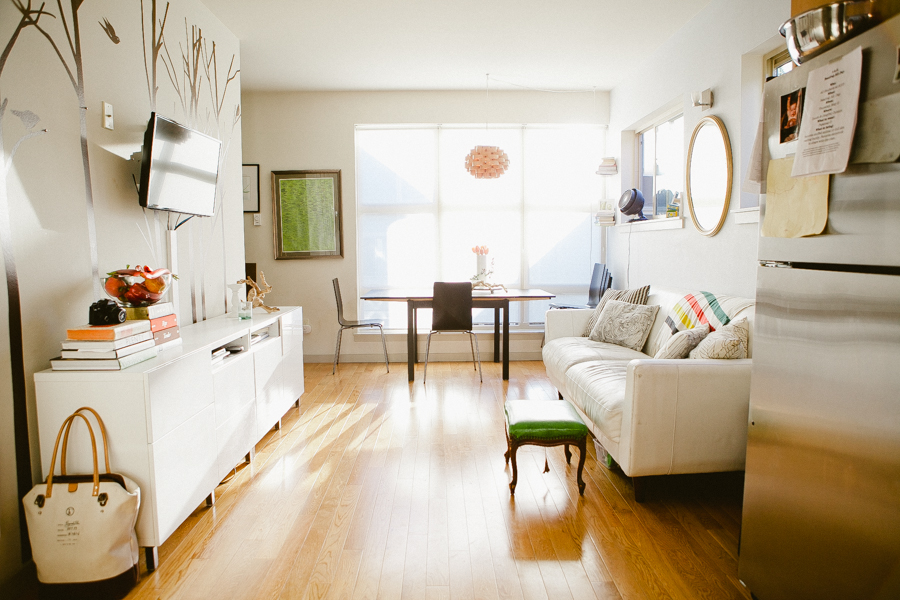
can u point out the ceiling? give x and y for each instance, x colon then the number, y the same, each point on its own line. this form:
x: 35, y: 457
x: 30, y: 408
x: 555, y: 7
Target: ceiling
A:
x: 317, y: 45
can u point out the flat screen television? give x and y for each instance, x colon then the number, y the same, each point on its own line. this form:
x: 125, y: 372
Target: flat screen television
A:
x: 179, y: 168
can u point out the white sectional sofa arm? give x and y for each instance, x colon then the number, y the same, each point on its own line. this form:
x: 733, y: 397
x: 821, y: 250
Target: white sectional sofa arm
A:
x: 684, y: 416
x: 569, y: 322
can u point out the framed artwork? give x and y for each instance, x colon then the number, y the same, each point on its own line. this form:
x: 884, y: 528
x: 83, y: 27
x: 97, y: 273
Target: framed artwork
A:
x: 250, y: 186
x: 307, y: 214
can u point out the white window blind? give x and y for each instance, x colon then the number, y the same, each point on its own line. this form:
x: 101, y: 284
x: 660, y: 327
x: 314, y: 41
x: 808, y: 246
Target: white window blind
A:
x: 420, y: 212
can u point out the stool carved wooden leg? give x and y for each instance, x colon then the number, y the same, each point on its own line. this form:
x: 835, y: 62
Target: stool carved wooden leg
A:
x: 568, y: 455
x: 506, y: 455
x: 582, y: 447
x: 512, y: 484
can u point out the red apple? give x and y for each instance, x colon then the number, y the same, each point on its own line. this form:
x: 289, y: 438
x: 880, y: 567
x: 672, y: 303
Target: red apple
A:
x: 115, y: 287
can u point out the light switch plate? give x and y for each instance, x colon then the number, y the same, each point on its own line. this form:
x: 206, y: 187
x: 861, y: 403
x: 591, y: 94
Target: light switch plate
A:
x: 257, y: 220
x: 107, y: 116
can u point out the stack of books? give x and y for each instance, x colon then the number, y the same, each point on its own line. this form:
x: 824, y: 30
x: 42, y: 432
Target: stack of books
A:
x: 608, y: 167
x: 606, y: 215
x: 106, y: 347
x: 163, y: 323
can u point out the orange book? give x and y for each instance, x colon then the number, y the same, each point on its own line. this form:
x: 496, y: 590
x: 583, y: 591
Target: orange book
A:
x: 164, y: 322
x: 108, y: 332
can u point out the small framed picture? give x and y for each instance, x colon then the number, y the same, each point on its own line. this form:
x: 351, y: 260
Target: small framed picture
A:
x: 791, y: 113
x: 250, y: 187
x: 307, y: 214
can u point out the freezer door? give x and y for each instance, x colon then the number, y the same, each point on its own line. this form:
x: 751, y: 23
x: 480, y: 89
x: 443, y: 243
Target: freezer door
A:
x: 863, y: 222
x: 863, y: 225
x: 821, y: 514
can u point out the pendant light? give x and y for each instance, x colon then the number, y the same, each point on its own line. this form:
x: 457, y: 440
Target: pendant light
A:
x: 487, y: 162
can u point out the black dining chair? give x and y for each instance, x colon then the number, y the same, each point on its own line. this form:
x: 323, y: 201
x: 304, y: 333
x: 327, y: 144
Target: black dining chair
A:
x: 345, y: 324
x: 452, y: 312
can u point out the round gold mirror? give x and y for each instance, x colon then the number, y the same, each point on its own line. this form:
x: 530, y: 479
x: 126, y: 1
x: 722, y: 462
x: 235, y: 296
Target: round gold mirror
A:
x: 708, y: 175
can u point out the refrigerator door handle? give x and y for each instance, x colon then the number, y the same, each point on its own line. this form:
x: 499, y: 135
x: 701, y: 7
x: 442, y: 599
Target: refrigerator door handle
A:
x: 776, y: 264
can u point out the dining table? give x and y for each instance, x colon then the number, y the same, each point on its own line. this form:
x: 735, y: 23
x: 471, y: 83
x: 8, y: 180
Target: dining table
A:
x: 498, y: 299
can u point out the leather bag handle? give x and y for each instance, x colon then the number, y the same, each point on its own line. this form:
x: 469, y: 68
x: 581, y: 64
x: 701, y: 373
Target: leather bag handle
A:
x: 64, y: 433
x: 102, y: 434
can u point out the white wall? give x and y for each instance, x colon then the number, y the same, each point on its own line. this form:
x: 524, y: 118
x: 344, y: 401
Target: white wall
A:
x: 288, y: 131
x: 43, y: 192
x: 706, y: 53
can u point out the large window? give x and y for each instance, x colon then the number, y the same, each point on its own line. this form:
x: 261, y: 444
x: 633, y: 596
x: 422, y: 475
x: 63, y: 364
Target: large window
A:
x: 420, y: 212
x: 661, y: 164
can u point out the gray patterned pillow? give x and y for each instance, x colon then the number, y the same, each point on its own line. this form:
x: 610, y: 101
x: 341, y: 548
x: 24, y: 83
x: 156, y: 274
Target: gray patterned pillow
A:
x: 730, y: 341
x: 681, y: 344
x: 624, y: 324
x: 634, y: 296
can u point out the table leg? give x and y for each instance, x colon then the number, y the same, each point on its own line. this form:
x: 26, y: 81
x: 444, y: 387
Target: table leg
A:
x: 506, y: 340
x: 496, y: 334
x: 411, y: 340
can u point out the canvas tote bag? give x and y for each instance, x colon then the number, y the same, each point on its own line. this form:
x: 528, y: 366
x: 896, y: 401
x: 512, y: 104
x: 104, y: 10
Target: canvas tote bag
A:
x: 81, y: 527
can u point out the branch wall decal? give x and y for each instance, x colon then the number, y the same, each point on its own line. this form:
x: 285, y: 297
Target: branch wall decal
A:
x: 29, y: 17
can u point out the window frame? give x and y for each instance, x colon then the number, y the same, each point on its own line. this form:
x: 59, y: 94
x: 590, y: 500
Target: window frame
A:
x: 651, y: 125
x: 775, y: 60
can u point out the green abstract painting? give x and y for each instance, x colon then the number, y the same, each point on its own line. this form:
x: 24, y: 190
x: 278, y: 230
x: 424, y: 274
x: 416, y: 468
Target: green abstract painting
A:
x: 308, y: 214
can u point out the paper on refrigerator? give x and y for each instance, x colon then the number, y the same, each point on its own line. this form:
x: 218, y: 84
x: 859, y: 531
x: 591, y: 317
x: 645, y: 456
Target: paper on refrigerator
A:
x: 829, y: 117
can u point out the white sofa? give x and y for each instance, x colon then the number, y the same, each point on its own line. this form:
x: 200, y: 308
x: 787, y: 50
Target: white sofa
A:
x: 654, y: 417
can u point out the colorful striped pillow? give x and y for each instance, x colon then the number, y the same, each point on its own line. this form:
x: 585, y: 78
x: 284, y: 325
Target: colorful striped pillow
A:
x: 697, y: 309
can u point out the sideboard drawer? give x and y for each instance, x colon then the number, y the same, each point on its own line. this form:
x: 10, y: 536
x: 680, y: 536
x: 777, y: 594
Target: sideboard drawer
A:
x: 178, y: 391
x: 233, y: 386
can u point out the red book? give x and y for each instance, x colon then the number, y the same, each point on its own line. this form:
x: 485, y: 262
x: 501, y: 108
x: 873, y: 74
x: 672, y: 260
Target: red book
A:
x: 165, y: 322
x: 108, y: 332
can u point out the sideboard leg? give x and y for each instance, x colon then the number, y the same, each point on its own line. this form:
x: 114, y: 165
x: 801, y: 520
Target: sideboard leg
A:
x: 278, y: 425
x: 211, y: 499
x: 151, y: 553
x: 248, y: 458
x: 297, y: 403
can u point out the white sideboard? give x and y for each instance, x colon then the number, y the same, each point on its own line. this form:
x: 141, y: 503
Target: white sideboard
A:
x: 178, y: 424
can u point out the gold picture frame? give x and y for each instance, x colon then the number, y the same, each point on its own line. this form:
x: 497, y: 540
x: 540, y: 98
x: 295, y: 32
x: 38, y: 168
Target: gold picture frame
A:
x: 308, y: 220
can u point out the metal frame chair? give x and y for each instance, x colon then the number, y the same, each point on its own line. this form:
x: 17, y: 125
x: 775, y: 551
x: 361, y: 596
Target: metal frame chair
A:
x: 345, y: 324
x: 601, y: 280
x: 452, y: 312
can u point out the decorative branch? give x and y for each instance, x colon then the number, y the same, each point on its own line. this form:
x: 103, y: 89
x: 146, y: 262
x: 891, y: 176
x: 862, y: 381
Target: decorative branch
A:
x: 62, y: 16
x: 29, y: 17
x: 156, y: 43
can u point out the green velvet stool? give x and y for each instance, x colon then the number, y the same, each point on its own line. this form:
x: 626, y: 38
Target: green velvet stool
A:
x: 544, y: 423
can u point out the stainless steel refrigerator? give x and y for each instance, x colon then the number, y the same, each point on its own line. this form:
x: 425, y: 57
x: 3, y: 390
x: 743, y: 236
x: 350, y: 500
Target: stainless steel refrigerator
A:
x: 821, y: 513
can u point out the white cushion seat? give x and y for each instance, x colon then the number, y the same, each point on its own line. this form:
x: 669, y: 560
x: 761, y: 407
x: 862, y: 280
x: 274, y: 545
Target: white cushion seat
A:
x: 563, y: 353
x: 598, y: 389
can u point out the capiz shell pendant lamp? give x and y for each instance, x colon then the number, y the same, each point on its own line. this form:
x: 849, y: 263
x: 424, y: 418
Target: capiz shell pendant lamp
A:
x: 487, y: 162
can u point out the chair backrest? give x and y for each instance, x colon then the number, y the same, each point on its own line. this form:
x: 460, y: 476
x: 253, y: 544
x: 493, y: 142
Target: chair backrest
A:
x: 337, y: 298
x: 452, y: 306
x: 601, y: 280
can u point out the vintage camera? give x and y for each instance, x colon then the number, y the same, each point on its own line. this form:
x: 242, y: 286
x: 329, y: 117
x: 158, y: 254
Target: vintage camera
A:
x: 106, y: 312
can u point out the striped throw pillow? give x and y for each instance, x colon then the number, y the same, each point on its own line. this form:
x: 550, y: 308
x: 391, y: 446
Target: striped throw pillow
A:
x: 697, y: 309
x: 634, y: 296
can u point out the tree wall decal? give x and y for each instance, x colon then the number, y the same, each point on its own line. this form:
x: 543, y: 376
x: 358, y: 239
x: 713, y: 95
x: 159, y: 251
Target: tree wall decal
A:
x: 29, y: 17
x: 76, y: 78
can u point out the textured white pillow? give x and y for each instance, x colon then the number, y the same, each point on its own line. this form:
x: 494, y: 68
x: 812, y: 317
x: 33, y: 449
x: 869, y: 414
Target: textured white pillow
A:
x: 624, y: 324
x: 730, y: 341
x: 634, y: 296
x: 681, y: 344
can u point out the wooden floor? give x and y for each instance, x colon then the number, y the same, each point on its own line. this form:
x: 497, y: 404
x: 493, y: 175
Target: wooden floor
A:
x: 381, y: 488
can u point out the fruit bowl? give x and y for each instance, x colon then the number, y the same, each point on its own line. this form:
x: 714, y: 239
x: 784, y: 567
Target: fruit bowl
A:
x: 141, y: 286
